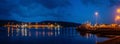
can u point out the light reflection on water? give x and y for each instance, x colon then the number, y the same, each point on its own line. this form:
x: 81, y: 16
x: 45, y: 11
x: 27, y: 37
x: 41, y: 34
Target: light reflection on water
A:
x: 68, y: 35
x: 33, y: 32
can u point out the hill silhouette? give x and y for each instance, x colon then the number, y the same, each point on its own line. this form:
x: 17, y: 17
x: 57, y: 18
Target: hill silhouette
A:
x: 62, y: 23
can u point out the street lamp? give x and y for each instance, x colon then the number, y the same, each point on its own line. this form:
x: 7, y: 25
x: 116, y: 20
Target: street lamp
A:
x: 96, y: 15
x: 118, y: 10
x: 117, y: 18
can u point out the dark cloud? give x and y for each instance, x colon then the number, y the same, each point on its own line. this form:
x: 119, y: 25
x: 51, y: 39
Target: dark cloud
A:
x: 27, y: 9
x: 90, y: 2
x: 3, y: 1
x: 101, y: 2
x: 50, y: 4
x: 4, y: 11
x: 32, y: 8
x: 27, y: 2
x: 114, y: 2
x: 5, y: 7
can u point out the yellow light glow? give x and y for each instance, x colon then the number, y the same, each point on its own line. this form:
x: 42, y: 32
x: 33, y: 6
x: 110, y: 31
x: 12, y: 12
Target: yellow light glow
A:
x: 117, y: 18
x: 118, y: 10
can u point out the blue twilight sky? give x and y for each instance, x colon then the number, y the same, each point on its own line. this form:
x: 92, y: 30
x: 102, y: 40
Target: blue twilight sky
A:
x: 77, y: 11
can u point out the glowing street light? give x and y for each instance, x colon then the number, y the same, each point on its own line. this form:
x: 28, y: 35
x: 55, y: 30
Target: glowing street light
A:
x: 117, y: 18
x: 96, y: 15
x: 118, y: 10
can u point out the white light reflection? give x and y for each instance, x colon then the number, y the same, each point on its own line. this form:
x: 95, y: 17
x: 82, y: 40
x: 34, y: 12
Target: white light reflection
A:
x: 23, y: 31
x: 29, y: 34
x: 37, y: 33
x: 8, y: 31
x: 12, y: 31
x: 17, y: 31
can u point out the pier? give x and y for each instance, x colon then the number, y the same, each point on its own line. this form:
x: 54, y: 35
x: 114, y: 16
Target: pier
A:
x: 100, y: 29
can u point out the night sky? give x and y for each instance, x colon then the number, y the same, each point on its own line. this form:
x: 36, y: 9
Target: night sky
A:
x: 77, y: 11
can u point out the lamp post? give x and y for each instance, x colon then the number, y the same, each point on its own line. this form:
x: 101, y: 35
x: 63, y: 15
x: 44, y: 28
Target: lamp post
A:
x: 96, y: 15
x: 117, y: 17
x: 118, y: 10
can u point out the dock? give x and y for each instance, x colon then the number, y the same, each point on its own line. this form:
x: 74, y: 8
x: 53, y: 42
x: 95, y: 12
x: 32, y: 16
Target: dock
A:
x: 100, y: 29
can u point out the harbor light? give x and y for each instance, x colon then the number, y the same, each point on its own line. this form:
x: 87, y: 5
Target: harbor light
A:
x: 117, y: 18
x: 96, y: 15
x: 118, y: 10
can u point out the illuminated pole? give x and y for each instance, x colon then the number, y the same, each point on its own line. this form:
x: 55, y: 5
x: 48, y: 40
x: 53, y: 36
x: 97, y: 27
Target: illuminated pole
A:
x: 115, y: 20
x: 96, y: 15
x: 117, y: 17
x: 118, y: 10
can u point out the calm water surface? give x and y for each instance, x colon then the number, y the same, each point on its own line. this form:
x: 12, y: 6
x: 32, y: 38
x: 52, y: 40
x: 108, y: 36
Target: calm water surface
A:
x: 68, y: 35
